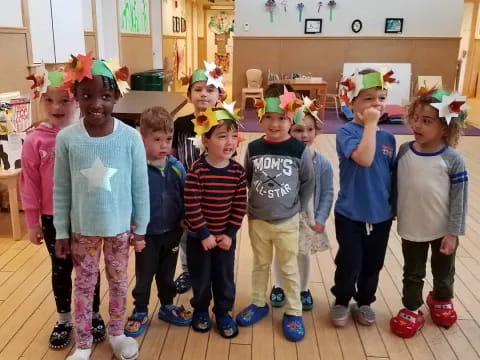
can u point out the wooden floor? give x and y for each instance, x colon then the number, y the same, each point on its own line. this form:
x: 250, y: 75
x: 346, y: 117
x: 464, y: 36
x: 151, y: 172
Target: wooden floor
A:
x: 27, y: 311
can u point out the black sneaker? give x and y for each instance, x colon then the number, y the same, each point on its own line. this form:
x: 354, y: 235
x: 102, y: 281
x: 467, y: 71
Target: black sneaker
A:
x: 99, y: 332
x: 61, y: 335
x: 277, y: 297
x: 183, y: 283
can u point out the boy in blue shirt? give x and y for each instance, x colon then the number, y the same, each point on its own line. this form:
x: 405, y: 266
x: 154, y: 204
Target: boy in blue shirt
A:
x: 363, y: 211
x: 166, y: 177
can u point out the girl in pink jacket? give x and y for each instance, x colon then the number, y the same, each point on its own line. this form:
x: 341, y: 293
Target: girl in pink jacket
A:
x: 38, y: 156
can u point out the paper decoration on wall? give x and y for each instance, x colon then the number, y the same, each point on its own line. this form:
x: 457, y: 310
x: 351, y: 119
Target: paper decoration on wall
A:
x: 270, y: 6
x: 180, y: 64
x: 222, y: 23
x: 300, y: 7
x: 319, y: 6
x: 135, y: 16
x: 331, y: 4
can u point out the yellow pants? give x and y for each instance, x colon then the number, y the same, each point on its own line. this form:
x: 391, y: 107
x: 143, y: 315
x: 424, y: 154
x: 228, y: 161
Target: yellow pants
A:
x: 264, y: 236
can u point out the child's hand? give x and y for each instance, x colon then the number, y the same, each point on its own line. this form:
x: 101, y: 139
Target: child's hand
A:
x: 224, y: 242
x: 138, y: 242
x: 370, y: 116
x: 62, y: 248
x: 449, y: 244
x: 36, y: 235
x: 319, y: 228
x: 209, y: 243
x: 183, y: 224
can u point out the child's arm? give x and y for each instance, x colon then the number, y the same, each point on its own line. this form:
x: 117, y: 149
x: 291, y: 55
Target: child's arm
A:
x: 307, y: 180
x: 62, y: 189
x: 30, y: 186
x: 140, y: 190
x: 248, y: 167
x: 458, y: 196
x: 364, y: 154
x: 325, y: 200
x: 193, y: 208
x: 239, y: 207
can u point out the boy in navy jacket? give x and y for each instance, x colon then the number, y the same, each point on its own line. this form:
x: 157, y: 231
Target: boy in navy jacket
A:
x: 166, y: 177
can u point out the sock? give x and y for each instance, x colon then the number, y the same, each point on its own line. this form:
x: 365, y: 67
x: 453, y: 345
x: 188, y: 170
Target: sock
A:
x: 304, y: 269
x: 64, y: 318
x: 414, y: 311
x: 83, y: 354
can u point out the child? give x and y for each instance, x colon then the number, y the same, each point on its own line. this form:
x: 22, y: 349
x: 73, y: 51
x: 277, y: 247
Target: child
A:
x: 363, y: 211
x: 432, y: 207
x: 215, y: 204
x: 313, y: 237
x: 58, y: 111
x: 204, y: 90
x: 101, y: 185
x: 166, y: 177
x: 280, y: 176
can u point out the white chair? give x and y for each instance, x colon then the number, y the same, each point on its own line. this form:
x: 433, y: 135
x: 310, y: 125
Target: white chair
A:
x: 254, y: 89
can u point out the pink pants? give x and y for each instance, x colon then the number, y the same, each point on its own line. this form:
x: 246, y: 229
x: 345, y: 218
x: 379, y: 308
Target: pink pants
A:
x: 86, y: 257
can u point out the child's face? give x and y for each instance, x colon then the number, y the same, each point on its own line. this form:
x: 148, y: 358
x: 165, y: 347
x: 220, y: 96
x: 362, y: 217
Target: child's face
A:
x: 275, y: 126
x: 158, y: 144
x: 222, y: 144
x: 201, y: 95
x: 373, y: 97
x: 305, y: 133
x: 427, y: 127
x: 58, y: 106
x: 96, y: 101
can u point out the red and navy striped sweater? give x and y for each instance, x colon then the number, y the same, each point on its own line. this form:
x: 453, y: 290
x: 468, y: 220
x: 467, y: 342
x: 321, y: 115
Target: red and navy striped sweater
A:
x: 215, y: 199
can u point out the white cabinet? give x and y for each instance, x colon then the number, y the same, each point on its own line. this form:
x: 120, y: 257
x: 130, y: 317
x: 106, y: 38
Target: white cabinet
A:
x: 56, y: 28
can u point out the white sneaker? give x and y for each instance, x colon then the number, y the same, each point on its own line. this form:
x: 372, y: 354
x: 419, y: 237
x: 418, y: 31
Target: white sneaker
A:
x: 339, y: 315
x: 124, y: 348
x: 80, y: 354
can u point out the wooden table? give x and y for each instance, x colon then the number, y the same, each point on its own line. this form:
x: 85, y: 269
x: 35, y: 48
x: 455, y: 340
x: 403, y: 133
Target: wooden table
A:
x: 129, y: 108
x: 319, y: 88
x: 11, y: 179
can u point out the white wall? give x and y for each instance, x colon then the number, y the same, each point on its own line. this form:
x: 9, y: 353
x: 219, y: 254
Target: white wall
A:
x: 107, y: 29
x: 11, y: 13
x: 87, y: 15
x: 439, y: 18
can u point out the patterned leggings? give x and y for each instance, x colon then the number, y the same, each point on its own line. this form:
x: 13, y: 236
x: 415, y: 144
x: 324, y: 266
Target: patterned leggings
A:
x: 86, y: 252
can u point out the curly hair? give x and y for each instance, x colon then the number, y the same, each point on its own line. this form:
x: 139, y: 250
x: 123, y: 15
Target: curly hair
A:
x: 451, y: 133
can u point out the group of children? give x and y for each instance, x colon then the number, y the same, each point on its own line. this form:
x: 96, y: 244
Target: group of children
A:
x: 94, y: 183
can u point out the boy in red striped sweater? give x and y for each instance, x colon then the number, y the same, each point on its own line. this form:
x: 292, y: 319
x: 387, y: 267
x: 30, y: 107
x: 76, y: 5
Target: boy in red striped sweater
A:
x: 215, y: 204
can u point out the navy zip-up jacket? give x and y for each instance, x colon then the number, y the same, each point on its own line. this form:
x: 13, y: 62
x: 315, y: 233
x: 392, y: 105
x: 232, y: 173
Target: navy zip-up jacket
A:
x: 166, y: 196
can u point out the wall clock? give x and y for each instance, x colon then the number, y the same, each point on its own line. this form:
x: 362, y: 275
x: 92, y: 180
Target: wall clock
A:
x: 356, y: 26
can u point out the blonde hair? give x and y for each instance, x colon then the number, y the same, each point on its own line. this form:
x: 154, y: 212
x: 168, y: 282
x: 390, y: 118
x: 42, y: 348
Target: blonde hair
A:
x: 451, y: 132
x: 154, y: 119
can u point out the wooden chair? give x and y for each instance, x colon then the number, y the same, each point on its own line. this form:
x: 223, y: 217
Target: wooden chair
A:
x: 332, y: 100
x: 254, y: 89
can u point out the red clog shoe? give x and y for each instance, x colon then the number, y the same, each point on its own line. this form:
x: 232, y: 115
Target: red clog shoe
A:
x: 406, y: 323
x: 442, y: 312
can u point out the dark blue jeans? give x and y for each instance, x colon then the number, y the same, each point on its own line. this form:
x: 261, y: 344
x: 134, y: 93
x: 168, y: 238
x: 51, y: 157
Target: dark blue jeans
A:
x: 360, y: 257
x: 211, y: 273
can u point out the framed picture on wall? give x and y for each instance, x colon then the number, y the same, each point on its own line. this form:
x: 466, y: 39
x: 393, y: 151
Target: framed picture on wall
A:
x: 313, y: 26
x: 177, y: 24
x: 393, y: 25
x: 183, y: 26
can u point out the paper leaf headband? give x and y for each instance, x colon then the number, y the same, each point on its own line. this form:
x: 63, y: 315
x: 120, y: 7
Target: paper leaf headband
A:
x: 308, y: 108
x: 351, y: 86
x: 85, y: 67
x: 212, y: 74
x: 42, y: 79
x: 287, y: 104
x: 449, y: 105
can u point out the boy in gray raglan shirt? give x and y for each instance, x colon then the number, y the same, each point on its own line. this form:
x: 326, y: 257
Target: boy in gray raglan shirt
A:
x: 280, y: 180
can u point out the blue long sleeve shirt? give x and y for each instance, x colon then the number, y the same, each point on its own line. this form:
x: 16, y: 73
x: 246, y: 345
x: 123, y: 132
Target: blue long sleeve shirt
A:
x: 323, y: 198
x: 100, y: 183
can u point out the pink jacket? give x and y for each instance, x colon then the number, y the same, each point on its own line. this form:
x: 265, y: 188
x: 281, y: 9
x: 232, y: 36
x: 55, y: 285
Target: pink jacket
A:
x: 36, y: 182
